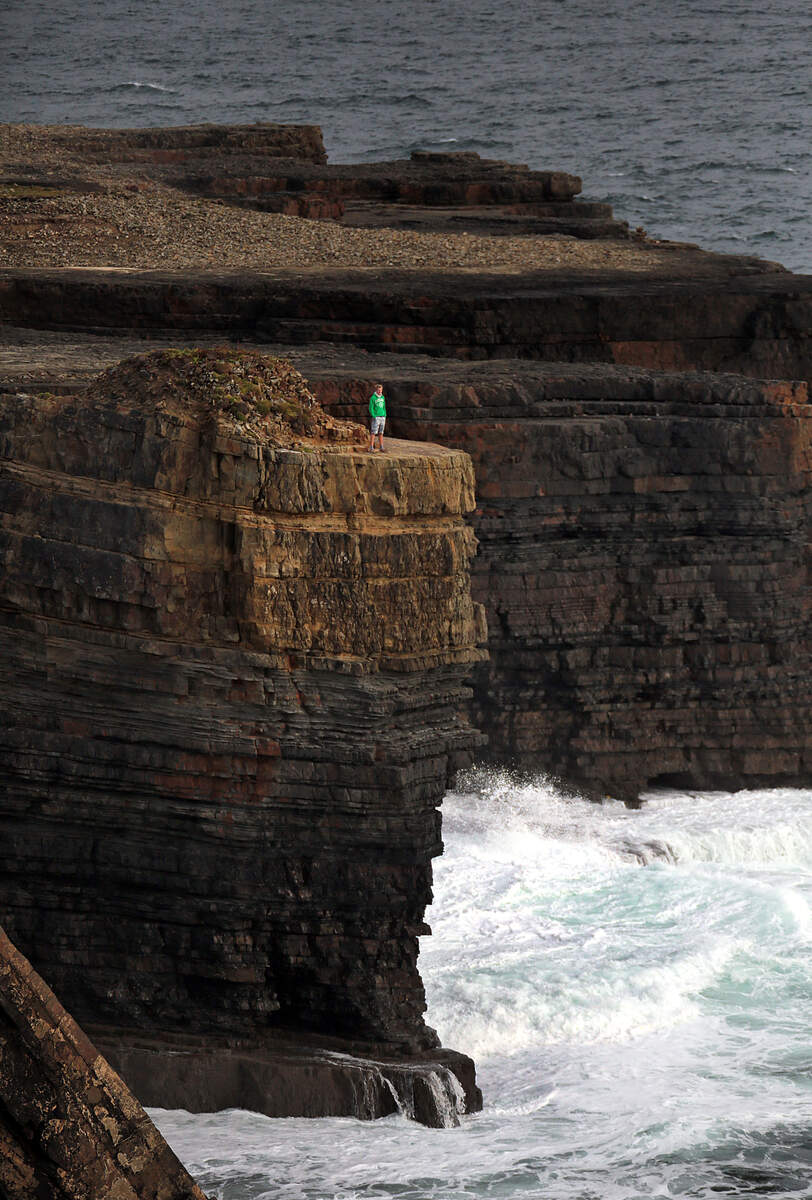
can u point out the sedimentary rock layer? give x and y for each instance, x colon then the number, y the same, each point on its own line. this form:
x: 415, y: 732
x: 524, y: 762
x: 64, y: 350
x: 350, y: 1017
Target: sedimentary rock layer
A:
x: 282, y: 168
x: 734, y: 315
x: 69, y: 1129
x: 233, y: 682
x: 644, y: 555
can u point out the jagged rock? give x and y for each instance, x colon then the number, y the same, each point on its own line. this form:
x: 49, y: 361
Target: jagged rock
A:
x: 69, y: 1128
x: 233, y: 686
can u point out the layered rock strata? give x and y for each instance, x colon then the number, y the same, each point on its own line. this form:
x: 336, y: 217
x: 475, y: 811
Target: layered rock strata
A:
x: 69, y: 1128
x: 452, y: 192
x: 681, y: 312
x: 643, y: 557
x: 733, y: 315
x: 233, y: 682
x: 283, y: 169
x: 642, y: 554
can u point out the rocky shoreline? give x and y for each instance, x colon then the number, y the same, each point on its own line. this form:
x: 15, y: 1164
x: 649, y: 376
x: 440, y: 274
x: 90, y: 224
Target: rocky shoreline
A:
x: 625, y: 428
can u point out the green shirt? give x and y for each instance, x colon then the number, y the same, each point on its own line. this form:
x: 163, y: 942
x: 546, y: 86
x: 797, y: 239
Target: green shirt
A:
x: 377, y: 405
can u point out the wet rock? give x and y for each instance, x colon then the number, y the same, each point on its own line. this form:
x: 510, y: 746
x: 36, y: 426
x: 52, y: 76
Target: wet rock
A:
x: 311, y: 1076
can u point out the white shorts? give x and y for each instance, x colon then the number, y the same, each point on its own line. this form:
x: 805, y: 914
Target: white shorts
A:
x: 378, y: 424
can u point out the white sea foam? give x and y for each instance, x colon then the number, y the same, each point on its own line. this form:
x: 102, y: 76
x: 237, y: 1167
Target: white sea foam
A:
x: 150, y: 87
x: 786, y: 844
x: 626, y: 980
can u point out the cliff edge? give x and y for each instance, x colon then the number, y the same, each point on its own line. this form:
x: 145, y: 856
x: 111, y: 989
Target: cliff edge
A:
x: 236, y: 658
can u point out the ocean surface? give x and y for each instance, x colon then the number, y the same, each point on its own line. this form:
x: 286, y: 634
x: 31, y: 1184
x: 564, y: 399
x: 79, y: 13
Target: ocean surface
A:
x: 636, y: 989
x: 693, y: 119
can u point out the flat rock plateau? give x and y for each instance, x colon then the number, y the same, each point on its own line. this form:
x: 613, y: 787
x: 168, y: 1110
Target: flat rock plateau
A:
x: 241, y: 672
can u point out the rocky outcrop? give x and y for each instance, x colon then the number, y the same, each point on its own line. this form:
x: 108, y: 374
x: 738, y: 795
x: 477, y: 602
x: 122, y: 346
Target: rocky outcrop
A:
x: 235, y: 665
x: 642, y: 525
x: 642, y: 541
x: 283, y: 169
x: 69, y: 1128
x: 287, y: 1076
x: 451, y: 191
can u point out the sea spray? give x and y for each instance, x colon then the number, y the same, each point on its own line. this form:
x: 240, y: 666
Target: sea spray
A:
x: 635, y: 986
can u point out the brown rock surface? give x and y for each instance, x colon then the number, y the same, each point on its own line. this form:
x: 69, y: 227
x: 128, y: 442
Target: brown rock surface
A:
x: 609, y: 451
x: 69, y: 1128
x: 282, y: 169
x: 232, y: 685
x: 209, y: 197
x: 642, y: 548
x: 643, y: 558
x: 709, y: 313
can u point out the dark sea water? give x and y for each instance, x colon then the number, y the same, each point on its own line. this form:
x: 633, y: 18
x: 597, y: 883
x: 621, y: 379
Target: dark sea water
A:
x: 693, y: 119
x: 636, y: 987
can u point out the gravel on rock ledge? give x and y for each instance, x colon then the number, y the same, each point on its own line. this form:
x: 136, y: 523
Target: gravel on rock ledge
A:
x: 89, y: 215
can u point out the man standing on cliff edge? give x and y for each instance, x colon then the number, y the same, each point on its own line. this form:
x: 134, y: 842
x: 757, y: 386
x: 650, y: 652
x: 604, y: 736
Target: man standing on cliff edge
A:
x: 377, y: 412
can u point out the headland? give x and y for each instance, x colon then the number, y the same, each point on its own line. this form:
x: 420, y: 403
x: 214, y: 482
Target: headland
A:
x: 269, y: 654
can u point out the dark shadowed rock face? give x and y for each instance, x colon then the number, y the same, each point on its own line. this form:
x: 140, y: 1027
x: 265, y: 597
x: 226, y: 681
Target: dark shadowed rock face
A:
x: 282, y: 1076
x: 69, y: 1128
x: 643, y: 550
x: 711, y: 313
x: 233, y: 682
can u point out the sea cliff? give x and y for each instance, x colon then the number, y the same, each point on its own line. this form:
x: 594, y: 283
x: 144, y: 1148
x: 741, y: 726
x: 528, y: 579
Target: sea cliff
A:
x: 235, y: 668
x: 643, y: 542
x: 243, y: 658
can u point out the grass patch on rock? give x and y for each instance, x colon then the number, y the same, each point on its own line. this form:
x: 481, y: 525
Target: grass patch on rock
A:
x: 256, y: 395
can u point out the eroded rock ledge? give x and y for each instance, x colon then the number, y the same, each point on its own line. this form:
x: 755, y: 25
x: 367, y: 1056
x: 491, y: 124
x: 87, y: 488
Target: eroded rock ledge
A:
x: 234, y: 675
x: 643, y: 550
